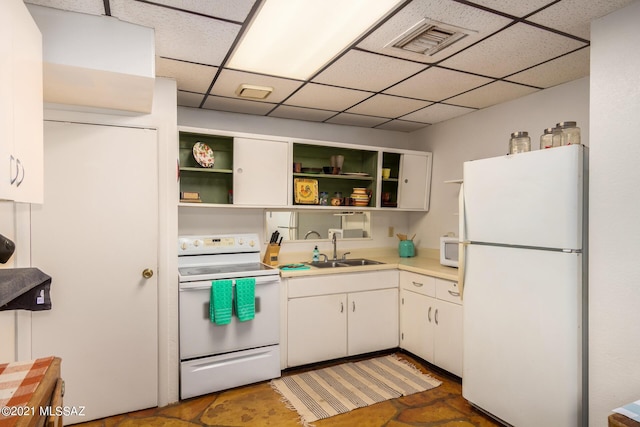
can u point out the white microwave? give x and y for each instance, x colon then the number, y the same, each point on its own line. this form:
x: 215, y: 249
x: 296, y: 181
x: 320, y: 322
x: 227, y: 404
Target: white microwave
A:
x: 449, y: 251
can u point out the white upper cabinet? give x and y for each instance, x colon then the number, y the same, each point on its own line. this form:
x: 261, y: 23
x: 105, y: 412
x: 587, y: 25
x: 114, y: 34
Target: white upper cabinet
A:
x: 407, y: 182
x: 260, y: 172
x: 414, y: 181
x: 21, y: 105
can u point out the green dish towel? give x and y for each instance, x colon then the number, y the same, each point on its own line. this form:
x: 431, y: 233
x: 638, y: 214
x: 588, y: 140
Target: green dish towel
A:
x: 220, y: 301
x: 245, y: 299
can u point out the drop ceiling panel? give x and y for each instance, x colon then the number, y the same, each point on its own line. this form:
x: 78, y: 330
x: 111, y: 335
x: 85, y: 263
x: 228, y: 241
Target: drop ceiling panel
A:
x: 300, y: 113
x: 326, y: 97
x: 92, y: 7
x: 565, y: 69
x: 491, y: 94
x: 436, y: 84
x: 374, y: 82
x: 367, y: 71
x: 575, y: 16
x: 437, y: 113
x: 445, y: 11
x: 401, y: 126
x: 180, y: 35
x: 518, y: 47
x: 388, y: 106
x: 229, y: 80
x: 357, y: 120
x: 236, y: 10
x: 237, y: 105
x: 188, y: 99
x: 189, y: 77
x: 517, y: 8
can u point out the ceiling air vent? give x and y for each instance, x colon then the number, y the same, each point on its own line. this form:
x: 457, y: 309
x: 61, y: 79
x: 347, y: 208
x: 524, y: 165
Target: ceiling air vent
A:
x: 429, y: 37
x: 253, y: 91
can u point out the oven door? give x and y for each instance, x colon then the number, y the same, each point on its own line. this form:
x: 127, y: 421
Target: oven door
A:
x: 200, y: 337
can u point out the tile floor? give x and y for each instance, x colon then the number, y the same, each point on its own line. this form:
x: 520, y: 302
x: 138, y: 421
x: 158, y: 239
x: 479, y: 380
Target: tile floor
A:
x: 258, y: 405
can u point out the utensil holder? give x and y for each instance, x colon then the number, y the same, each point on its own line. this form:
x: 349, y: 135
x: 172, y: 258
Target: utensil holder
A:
x: 271, y: 254
x: 406, y: 249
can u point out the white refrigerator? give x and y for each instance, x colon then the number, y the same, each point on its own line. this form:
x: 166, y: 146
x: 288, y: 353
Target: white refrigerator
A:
x: 523, y: 273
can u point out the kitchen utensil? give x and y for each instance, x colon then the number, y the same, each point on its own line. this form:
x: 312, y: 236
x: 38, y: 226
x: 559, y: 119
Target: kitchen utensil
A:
x: 311, y: 170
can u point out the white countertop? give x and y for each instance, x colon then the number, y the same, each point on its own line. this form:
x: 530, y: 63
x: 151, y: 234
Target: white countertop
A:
x: 419, y: 264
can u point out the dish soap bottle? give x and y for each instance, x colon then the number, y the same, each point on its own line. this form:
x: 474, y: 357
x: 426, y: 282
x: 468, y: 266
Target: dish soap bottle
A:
x: 316, y: 255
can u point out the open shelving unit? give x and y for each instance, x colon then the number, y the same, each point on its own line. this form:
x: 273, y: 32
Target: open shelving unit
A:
x: 214, y: 184
x: 361, y: 162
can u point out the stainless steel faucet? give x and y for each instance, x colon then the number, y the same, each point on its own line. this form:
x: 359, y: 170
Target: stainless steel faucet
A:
x: 335, y: 252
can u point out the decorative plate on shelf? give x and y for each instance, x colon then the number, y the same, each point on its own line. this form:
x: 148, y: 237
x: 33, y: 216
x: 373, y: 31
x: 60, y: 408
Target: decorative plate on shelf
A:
x: 306, y: 191
x: 355, y: 173
x: 203, y: 154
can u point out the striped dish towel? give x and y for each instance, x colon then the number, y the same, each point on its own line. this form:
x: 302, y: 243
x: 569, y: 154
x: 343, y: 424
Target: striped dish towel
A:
x: 245, y: 299
x: 220, y: 301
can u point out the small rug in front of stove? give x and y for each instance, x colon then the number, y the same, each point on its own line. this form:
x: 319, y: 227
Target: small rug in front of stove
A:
x: 326, y: 392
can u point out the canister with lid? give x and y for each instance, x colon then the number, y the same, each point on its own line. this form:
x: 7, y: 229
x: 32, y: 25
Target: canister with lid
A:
x: 552, y: 137
x: 519, y: 142
x: 570, y: 133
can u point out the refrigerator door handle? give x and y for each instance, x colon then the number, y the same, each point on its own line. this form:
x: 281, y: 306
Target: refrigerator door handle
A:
x: 462, y: 246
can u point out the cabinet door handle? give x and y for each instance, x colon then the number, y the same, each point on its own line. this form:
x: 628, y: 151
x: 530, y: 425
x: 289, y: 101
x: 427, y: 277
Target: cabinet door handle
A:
x: 436, y: 316
x: 19, y: 168
x: 417, y: 284
x: 429, y: 315
x: 406, y: 181
x: 341, y: 307
x: 353, y: 306
x: 12, y: 177
x: 454, y: 294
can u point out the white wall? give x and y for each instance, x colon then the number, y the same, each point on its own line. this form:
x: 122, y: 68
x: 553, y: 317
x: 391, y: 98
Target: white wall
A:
x: 483, y: 134
x: 614, y: 232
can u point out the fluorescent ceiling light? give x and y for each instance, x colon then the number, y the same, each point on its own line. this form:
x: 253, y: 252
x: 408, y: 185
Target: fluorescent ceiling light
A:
x: 295, y: 38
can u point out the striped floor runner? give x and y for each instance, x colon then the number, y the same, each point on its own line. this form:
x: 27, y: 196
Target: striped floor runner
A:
x: 326, y: 392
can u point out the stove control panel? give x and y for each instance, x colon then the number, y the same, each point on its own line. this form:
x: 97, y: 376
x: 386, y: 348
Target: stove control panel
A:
x: 218, y: 244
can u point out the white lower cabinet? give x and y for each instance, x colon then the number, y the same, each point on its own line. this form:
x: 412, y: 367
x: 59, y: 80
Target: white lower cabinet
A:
x: 317, y: 329
x: 333, y: 316
x: 431, y: 320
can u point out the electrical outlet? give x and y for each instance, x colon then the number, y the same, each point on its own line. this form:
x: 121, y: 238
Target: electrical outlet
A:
x: 391, y: 231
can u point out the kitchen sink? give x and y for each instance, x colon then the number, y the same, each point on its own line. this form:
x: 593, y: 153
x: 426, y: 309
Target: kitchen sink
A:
x: 344, y: 263
x: 327, y: 264
x: 359, y: 261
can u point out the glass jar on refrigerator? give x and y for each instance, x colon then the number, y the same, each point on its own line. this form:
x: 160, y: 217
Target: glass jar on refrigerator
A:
x: 570, y: 133
x: 519, y: 142
x: 552, y: 137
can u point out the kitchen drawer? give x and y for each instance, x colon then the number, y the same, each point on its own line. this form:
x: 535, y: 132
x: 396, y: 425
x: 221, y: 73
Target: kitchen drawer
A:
x: 448, y: 291
x: 342, y: 283
x: 425, y: 285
